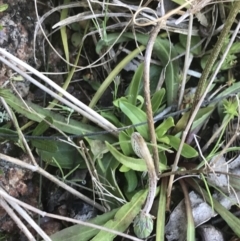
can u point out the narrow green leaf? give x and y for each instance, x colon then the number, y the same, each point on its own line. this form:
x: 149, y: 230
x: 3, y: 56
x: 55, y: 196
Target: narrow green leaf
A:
x: 67, y: 156
x: 161, y: 214
x: 8, y: 132
x: 132, y: 163
x: 132, y: 180
x: 3, y: 7
x: 123, y: 218
x: 45, y: 145
x: 124, y: 142
x: 63, y: 31
x: 83, y: 233
x: 163, y: 128
x: 136, y: 116
x: 187, y: 150
x: 157, y: 99
x: 59, y: 121
x: 133, y: 88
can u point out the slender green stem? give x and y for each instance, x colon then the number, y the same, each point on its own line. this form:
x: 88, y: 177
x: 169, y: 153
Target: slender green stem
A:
x: 72, y: 71
x: 112, y: 75
x: 190, y: 220
x: 161, y: 214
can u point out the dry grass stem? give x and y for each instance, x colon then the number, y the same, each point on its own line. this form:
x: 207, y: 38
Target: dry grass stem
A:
x: 77, y: 106
x: 27, y: 218
x: 199, y: 103
x: 44, y: 214
x: 16, y: 219
x: 53, y: 179
x: 147, y: 97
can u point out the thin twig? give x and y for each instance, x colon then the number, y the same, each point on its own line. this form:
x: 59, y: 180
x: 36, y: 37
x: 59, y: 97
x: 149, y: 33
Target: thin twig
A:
x: 27, y: 217
x: 53, y: 179
x: 76, y: 104
x: 147, y: 96
x: 44, y: 214
x: 16, y: 219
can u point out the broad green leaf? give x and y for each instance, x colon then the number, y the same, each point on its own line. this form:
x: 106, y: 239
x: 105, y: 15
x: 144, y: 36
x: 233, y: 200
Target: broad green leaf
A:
x: 187, y: 150
x: 123, y: 218
x: 131, y: 163
x: 133, y: 88
x: 132, y: 180
x: 45, y: 145
x: 67, y: 156
x: 136, y: 116
x: 124, y: 169
x: 3, y: 7
x: 163, y: 158
x: 124, y: 142
x: 121, y: 99
x: 157, y: 100
x: 163, y: 128
x: 163, y: 139
x: 140, y: 101
x: 83, y: 233
x: 234, y: 48
x: 110, y: 116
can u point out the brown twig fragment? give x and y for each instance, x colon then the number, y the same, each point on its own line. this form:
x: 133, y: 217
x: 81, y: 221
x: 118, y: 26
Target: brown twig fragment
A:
x: 147, y: 95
